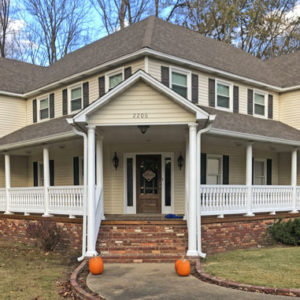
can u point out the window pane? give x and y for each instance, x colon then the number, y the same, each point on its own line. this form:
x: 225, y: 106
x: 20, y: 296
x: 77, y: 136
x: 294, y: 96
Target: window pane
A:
x: 44, y: 114
x: 259, y: 168
x: 75, y: 104
x: 76, y: 93
x: 213, y: 166
x: 212, y: 179
x: 168, y: 181
x: 180, y: 90
x: 223, y: 101
x: 115, y: 80
x: 179, y: 79
x: 259, y: 110
x: 129, y: 182
x: 43, y: 103
x: 259, y: 99
x: 223, y: 90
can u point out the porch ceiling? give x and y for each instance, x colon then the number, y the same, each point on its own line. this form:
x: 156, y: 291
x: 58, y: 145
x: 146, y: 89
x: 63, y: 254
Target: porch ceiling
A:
x: 155, y: 134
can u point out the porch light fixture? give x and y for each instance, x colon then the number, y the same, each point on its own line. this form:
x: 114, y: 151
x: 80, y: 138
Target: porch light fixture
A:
x: 143, y: 128
x: 115, y: 161
x: 180, y: 161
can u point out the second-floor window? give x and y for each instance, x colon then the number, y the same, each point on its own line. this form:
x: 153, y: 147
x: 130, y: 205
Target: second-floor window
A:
x: 223, y: 95
x: 259, y: 104
x: 179, y: 83
x: 44, y: 108
x: 114, y: 80
x: 76, y: 98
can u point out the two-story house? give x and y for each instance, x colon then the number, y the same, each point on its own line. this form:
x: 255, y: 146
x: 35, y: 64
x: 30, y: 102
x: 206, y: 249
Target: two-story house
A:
x: 153, y: 119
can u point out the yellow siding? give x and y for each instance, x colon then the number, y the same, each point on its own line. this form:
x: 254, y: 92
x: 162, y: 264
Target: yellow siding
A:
x: 2, y: 172
x: 290, y: 108
x: 93, y: 91
x: 141, y: 99
x: 12, y: 114
x: 155, y: 71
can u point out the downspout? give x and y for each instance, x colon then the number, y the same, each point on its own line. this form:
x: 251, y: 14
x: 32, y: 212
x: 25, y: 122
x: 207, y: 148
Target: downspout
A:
x: 84, y: 227
x: 210, y: 120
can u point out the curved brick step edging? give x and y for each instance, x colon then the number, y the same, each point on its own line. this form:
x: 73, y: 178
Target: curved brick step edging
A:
x: 78, y: 290
x: 245, y: 287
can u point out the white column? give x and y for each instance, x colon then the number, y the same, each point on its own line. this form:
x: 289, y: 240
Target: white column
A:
x: 7, y: 181
x: 99, y: 161
x: 46, y: 180
x: 249, y: 178
x: 192, y: 217
x: 294, y: 177
x: 91, y: 193
x: 187, y: 175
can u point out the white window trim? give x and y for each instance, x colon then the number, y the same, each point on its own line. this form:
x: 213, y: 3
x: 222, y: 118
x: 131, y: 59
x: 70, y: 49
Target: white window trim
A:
x: 112, y: 73
x: 70, y: 88
x: 40, y: 175
x: 220, y: 157
x: 46, y: 96
x: 80, y: 161
x: 220, y: 81
x: 164, y: 209
x: 265, y: 169
x: 188, y: 79
x: 263, y: 93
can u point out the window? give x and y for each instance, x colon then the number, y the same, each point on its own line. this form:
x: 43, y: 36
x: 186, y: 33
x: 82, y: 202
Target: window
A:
x: 259, y: 172
x: 168, y: 180
x: 115, y: 79
x: 44, y: 108
x: 214, y: 171
x: 41, y: 174
x: 76, y: 98
x: 259, y: 104
x: 223, y: 95
x: 179, y: 83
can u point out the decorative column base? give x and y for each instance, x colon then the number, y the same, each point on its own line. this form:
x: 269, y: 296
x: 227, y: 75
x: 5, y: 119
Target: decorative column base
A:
x: 192, y: 253
x: 250, y: 214
x: 294, y: 211
x: 8, y: 213
x: 91, y: 253
x: 47, y: 215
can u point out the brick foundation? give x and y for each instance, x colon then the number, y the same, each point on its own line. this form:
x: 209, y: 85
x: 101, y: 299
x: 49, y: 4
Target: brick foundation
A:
x: 153, y: 241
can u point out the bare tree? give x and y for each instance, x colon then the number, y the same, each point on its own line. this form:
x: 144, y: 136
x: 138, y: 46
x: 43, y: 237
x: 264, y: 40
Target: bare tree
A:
x: 55, y: 28
x: 4, y: 23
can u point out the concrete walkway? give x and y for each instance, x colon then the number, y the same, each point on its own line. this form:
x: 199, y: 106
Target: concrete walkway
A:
x: 159, y: 281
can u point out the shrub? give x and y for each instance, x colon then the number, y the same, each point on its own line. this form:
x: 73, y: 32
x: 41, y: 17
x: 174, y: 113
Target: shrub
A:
x: 46, y: 233
x: 286, y: 232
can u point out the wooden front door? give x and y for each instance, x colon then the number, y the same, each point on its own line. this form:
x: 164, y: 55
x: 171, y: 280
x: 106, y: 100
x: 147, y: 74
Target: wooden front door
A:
x: 148, y: 183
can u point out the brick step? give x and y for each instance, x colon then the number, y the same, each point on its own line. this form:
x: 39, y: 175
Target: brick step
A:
x: 141, y: 258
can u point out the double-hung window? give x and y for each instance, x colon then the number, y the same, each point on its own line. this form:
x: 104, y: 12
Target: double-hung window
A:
x: 214, y: 170
x: 259, y: 104
x: 223, y: 92
x: 76, y: 98
x: 179, y: 82
x: 44, y: 108
x: 113, y: 79
x: 259, y: 177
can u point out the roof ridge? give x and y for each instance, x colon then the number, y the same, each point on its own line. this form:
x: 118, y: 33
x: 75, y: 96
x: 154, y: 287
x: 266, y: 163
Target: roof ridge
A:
x: 149, y: 31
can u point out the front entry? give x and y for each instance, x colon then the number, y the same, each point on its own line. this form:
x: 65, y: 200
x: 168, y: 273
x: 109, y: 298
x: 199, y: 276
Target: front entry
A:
x: 148, y: 183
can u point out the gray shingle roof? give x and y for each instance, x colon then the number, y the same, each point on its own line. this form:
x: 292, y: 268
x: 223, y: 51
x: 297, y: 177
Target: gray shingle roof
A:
x: 252, y: 125
x: 157, y: 35
x: 38, y: 130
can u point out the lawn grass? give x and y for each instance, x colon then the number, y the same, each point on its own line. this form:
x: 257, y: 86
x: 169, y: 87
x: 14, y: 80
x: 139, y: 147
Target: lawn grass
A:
x: 274, y: 267
x: 30, y: 273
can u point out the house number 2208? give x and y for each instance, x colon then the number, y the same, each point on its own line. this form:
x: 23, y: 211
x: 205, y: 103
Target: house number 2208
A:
x: 140, y: 116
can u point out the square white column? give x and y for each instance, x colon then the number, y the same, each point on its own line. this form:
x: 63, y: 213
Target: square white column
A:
x: 294, y: 178
x: 46, y: 166
x: 249, y: 178
x: 7, y: 181
x: 99, y: 161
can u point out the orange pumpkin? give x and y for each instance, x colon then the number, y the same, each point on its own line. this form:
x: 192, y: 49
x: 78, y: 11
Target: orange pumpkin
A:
x: 184, y: 268
x: 177, y: 263
x: 96, y: 265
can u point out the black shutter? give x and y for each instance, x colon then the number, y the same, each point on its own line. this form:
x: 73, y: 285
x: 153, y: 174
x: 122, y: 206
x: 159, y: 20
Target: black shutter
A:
x: 101, y: 85
x: 51, y: 171
x: 127, y: 72
x: 51, y: 105
x: 236, y: 99
x: 269, y: 171
x: 225, y: 169
x: 195, y: 88
x: 35, y: 174
x: 250, y: 102
x: 252, y: 171
x: 270, y: 107
x: 165, y: 76
x: 203, y: 168
x: 34, y: 111
x: 85, y: 87
x: 76, y: 170
x: 65, y: 101
x: 211, y: 92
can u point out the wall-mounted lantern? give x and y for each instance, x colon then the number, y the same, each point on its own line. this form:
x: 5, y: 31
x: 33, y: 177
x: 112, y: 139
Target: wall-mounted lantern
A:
x: 143, y: 128
x: 115, y: 161
x: 180, y: 161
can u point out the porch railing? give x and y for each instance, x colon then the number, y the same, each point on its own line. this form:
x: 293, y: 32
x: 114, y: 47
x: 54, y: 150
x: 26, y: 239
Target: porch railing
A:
x: 241, y: 199
x: 2, y: 199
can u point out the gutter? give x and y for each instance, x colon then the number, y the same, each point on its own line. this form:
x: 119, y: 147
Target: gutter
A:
x: 210, y: 120
x: 85, y: 158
